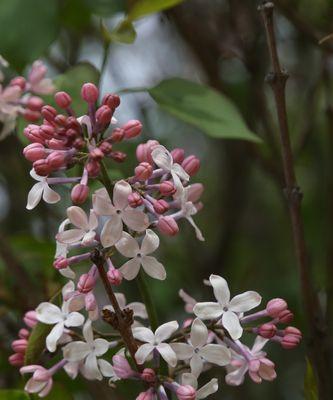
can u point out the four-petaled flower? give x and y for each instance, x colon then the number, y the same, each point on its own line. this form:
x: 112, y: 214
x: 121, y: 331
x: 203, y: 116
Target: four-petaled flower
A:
x: 198, y: 351
x: 41, y: 381
x: 205, y: 391
x: 130, y: 248
x: 88, y: 352
x: 39, y: 190
x: 119, y: 211
x: 85, y: 228
x: 154, y: 342
x: 226, y: 308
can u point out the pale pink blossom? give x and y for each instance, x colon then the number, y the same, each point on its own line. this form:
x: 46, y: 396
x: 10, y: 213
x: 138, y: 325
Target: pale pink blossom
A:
x: 37, y: 81
x: 40, y: 190
x: 205, y: 391
x: 41, y: 381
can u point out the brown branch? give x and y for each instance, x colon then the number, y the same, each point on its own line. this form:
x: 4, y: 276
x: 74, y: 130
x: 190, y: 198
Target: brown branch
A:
x: 277, y: 80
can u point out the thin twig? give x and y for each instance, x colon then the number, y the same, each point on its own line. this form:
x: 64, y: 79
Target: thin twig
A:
x: 277, y: 80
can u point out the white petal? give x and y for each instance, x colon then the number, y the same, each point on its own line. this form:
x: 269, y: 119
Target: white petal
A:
x: 88, y: 332
x: 259, y: 344
x: 72, y: 369
x: 139, y: 309
x: 35, y: 195
x: 178, y: 185
x: 33, y: 386
x: 88, y: 238
x: 231, y: 323
x: 150, y: 242
x: 196, y: 365
x: 67, y: 273
x: 216, y: 354
x: 199, y: 333
x: 153, y: 268
x: 101, y: 346
x: 164, y: 331
x: 127, y: 246
x: 93, y: 220
x: 130, y: 269
x: 49, y: 195
x: 211, y: 387
x: 144, y: 334
x: 189, y: 379
x: 179, y: 170
x: 121, y: 299
x: 70, y: 236
x: 135, y: 219
x: 143, y: 352
x: 236, y: 377
x: 74, y: 319
x: 245, y: 301
x: 208, y: 310
x: 106, y: 368
x: 121, y: 191
x: 112, y: 231
x: 91, y: 370
x: 37, y: 177
x: 102, y: 205
x: 183, y: 350
x: 198, y: 232
x: 76, y: 351
x: 67, y: 289
x: 221, y: 289
x: 162, y: 158
x: 167, y: 353
x: 53, y: 337
x: 49, y: 313
x: 78, y: 217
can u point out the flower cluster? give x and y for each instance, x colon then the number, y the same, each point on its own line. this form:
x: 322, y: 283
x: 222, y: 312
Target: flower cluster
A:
x: 21, y: 96
x: 116, y: 236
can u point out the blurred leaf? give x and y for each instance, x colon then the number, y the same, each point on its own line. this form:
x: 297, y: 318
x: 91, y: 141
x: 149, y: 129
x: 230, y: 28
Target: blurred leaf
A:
x: 145, y: 7
x: 71, y: 18
x: 106, y: 8
x: 310, y: 384
x: 13, y: 395
x: 35, y: 28
x: 72, y: 80
x: 124, y: 32
x: 203, y: 107
x: 36, y: 342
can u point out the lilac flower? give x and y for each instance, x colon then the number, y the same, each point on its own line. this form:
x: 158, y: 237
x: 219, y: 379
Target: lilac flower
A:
x: 40, y: 190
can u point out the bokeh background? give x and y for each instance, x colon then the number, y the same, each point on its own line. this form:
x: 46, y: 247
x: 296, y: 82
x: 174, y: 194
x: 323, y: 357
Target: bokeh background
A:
x: 220, y: 43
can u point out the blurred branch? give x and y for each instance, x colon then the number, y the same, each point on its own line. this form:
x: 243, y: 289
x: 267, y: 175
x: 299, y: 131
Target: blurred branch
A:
x: 277, y: 79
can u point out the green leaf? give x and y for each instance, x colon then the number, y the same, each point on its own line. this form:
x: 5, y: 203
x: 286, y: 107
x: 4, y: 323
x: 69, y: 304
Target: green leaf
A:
x: 202, y: 107
x: 106, y: 8
x: 27, y: 28
x: 310, y: 384
x: 8, y: 394
x: 36, y: 342
x: 145, y: 7
x: 124, y: 32
x: 72, y: 80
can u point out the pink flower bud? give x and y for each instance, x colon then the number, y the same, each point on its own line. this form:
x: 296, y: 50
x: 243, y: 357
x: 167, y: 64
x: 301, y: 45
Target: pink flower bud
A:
x: 117, y: 135
x: 118, y: 156
x: 132, y: 128
x: 63, y: 99
x: 168, y: 226
x: 42, y: 167
x: 143, y: 151
x: 148, y: 375
x: 93, y: 168
x: 35, y: 103
x: 78, y: 143
x: 289, y: 342
x: 96, y: 154
x: 46, y: 131
x: 178, y: 155
x: 24, y: 333
x: 61, y: 119
x: 167, y: 188
x: 17, y: 360
x: 18, y: 81
x: 275, y: 306
x: 111, y: 100
x: 79, y: 193
x: 20, y: 345
x: 30, y: 318
x: 191, y: 165
x: 161, y: 206
x: 267, y: 331
x: 31, y: 115
x: 121, y: 367
x: 56, y: 144
x: 86, y: 283
x: 291, y: 330
x: 60, y: 263
x: 56, y: 159
x: 34, y: 152
x: 89, y: 93
x: 103, y: 115
x: 105, y: 147
x: 286, y: 316
x: 135, y: 200
x: 194, y: 192
x: 114, y: 276
x: 49, y: 113
x: 147, y: 395
x: 143, y: 171
x: 186, y: 392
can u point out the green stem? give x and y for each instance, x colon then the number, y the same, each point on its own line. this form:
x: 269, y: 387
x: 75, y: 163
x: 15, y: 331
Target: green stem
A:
x: 106, y: 180
x: 147, y: 299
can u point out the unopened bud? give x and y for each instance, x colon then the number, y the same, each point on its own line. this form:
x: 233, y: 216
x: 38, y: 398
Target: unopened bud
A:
x: 30, y: 318
x: 168, y: 226
x: 20, y: 345
x: 118, y: 156
x: 49, y: 113
x: 275, y: 306
x: 135, y: 200
x: 267, y: 331
x: 191, y: 165
x: 105, y: 147
x: 93, y: 168
x: 79, y: 193
x: 167, y: 188
x: 111, y: 100
x: 194, y: 192
x: 56, y: 159
x: 291, y: 330
x: 86, y: 283
x: 147, y: 395
x: 286, y: 316
x: 34, y: 152
x: 186, y: 392
x: 18, y: 81
x: 148, y: 375
x: 114, y: 276
x: 17, y: 360
x: 31, y: 115
x: 132, y: 128
x: 96, y: 154
x: 42, y: 168
x: 117, y: 135
x: 56, y: 144
x: 161, y: 206
x: 103, y: 115
x: 23, y: 333
x: 143, y: 151
x: 63, y: 99
x: 35, y: 103
x: 178, y: 155
x: 290, y: 342
x: 143, y: 171
x: 60, y: 263
x: 89, y: 93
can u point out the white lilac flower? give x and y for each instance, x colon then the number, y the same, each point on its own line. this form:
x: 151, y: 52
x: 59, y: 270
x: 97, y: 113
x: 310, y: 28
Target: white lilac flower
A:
x: 255, y: 363
x: 197, y: 351
x: 163, y: 159
x: 129, y: 247
x: 155, y: 341
x: 85, y: 228
x: 40, y: 190
x: 50, y: 314
x: 41, y: 381
x: 87, y: 351
x: 120, y: 213
x: 139, y: 309
x: 228, y: 309
x: 188, y: 209
x: 205, y: 391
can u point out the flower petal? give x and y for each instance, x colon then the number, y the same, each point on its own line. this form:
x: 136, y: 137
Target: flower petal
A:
x: 76, y: 351
x: 143, y: 334
x: 162, y: 158
x: 106, y: 368
x: 70, y: 236
x: 183, y: 350
x: 127, y: 245
x: 245, y: 301
x: 93, y: 220
x: 49, y: 313
x: 34, y: 196
x: 88, y: 333
x: 179, y: 170
x: 33, y: 386
x: 102, y: 204
x: 112, y: 231
x: 211, y: 387
x: 49, y: 195
x: 150, y: 242
x: 91, y: 370
x: 88, y: 238
x: 199, y: 333
x: 236, y: 377
x: 135, y: 219
x: 231, y: 323
x: 53, y: 337
x: 101, y: 346
x: 78, y: 217
x: 198, y: 232
x: 221, y: 289
x: 216, y: 354
x: 196, y: 365
x: 121, y: 191
x: 208, y: 310
x: 164, y: 331
x: 143, y: 352
x: 167, y: 353
x: 189, y: 379
x: 74, y: 319
x: 130, y: 269
x: 153, y: 268
x: 139, y: 309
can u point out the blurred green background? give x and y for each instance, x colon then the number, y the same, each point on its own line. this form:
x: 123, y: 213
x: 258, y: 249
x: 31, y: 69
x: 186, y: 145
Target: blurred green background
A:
x: 220, y: 43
